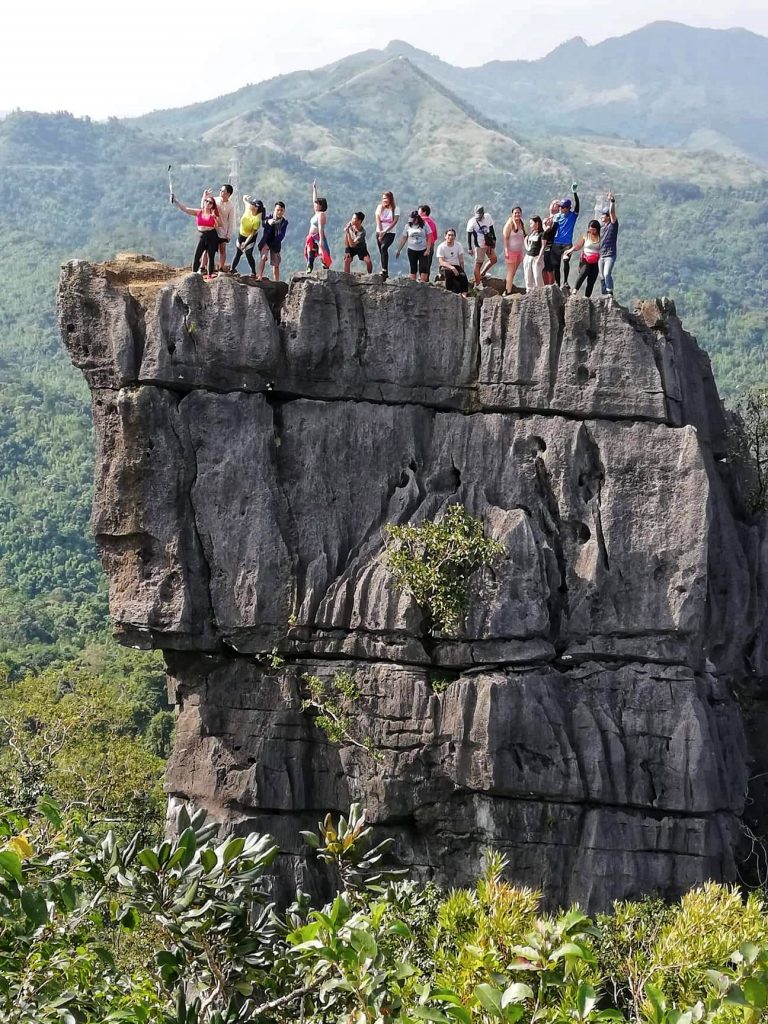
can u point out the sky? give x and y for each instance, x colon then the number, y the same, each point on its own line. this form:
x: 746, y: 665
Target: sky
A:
x: 104, y: 59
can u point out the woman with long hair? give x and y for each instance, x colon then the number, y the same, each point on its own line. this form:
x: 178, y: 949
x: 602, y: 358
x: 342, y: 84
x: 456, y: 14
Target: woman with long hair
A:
x: 208, y: 226
x: 417, y: 237
x: 589, y: 264
x: 317, y: 239
x: 533, y: 247
x: 250, y: 224
x: 514, y: 240
x: 387, y: 216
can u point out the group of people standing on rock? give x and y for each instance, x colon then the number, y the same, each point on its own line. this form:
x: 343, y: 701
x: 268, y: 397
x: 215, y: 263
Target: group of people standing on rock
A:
x: 544, y: 249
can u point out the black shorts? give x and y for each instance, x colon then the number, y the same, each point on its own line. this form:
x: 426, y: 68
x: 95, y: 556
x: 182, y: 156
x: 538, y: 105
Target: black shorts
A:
x: 223, y: 241
x: 554, y: 256
x: 357, y: 250
x: 419, y: 261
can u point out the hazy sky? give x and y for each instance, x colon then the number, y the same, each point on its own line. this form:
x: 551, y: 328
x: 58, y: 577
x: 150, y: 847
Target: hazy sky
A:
x: 100, y: 58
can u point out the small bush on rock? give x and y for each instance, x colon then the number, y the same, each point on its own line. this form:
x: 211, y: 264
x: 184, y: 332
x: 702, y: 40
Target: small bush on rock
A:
x: 434, y: 560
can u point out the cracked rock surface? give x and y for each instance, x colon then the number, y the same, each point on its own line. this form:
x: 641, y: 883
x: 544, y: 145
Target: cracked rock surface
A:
x: 252, y: 446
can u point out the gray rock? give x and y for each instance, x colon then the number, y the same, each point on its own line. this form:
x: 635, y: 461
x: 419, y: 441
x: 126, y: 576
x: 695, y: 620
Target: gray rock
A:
x: 252, y: 449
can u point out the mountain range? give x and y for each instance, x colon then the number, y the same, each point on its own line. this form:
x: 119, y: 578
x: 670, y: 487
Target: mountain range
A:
x: 694, y: 223
x: 665, y: 84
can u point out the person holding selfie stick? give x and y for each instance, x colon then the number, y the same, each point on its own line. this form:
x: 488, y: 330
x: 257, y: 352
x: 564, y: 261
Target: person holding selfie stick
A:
x: 208, y: 226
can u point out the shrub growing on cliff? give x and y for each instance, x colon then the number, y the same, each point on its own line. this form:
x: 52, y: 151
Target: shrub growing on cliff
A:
x: 434, y: 560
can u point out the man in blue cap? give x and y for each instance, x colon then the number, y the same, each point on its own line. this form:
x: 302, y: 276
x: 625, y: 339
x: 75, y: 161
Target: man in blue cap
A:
x: 566, y: 222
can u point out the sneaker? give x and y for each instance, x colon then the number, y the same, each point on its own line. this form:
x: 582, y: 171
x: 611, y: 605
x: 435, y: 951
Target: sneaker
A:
x: 566, y: 289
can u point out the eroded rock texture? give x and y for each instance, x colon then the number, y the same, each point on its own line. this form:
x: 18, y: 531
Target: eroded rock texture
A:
x: 251, y: 448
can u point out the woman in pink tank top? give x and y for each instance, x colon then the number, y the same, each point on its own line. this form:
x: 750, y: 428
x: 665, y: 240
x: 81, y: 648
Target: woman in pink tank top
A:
x: 208, y: 227
x: 514, y: 240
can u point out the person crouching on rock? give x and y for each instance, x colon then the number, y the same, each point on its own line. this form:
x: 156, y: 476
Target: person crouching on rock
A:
x: 208, y: 227
x: 272, y: 241
x: 317, y: 239
x: 354, y: 243
x: 589, y: 265
x: 450, y: 259
x: 250, y: 224
x: 417, y: 237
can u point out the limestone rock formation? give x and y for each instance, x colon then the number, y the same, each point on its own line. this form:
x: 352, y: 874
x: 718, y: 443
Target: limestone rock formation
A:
x: 253, y: 445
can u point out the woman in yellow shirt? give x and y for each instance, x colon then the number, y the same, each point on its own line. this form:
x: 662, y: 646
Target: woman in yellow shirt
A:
x: 250, y: 223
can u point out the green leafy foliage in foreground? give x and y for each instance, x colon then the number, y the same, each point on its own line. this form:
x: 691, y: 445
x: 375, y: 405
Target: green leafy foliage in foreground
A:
x: 434, y: 560
x: 215, y: 951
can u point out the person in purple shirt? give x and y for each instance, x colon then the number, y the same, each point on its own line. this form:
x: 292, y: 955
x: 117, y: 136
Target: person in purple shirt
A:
x: 565, y: 223
x: 609, y: 231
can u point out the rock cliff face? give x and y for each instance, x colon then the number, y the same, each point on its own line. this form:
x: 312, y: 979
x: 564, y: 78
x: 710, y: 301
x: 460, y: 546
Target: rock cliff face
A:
x: 252, y: 445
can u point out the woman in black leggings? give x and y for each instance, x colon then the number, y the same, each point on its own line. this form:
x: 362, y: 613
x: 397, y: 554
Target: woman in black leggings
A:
x: 589, y: 265
x: 209, y: 227
x: 387, y: 216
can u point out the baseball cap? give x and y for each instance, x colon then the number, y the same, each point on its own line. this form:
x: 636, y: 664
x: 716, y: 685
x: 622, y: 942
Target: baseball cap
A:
x: 565, y: 203
x: 479, y: 211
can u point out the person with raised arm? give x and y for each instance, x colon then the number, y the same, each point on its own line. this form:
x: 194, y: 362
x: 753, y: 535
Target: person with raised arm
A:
x: 566, y: 222
x: 481, y: 242
x: 387, y: 216
x: 208, y: 227
x: 609, y: 231
x: 316, y: 243
x: 589, y: 245
x: 514, y: 239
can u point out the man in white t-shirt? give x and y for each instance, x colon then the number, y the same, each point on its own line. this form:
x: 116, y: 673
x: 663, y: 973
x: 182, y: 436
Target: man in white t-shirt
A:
x: 481, y: 242
x: 450, y: 259
x: 228, y: 218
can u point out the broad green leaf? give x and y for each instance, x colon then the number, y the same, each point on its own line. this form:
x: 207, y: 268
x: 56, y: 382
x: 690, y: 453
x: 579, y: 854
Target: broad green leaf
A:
x: 585, y: 1000
x: 208, y: 859
x: 10, y: 865
x: 489, y: 998
x: 516, y: 993
x: 129, y: 919
x: 430, y: 1013
x: 188, y: 843
x: 232, y: 849
x: 149, y: 859
x: 402, y: 929
x: 755, y: 992
x: 35, y: 907
x: 749, y: 951
x: 459, y: 1013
